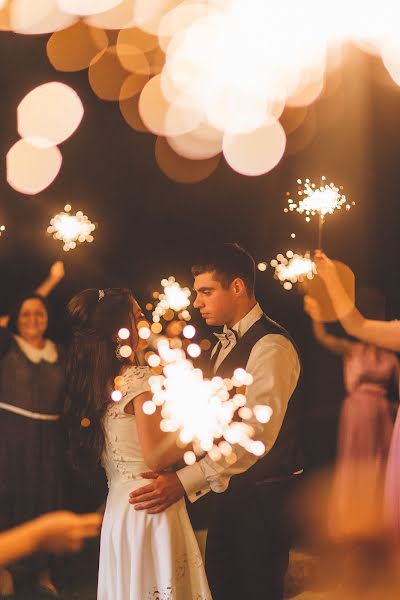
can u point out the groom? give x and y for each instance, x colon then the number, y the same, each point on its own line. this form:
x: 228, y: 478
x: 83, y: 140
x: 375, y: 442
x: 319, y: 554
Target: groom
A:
x: 248, y: 539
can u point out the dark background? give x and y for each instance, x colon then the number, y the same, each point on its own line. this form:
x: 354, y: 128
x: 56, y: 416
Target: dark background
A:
x: 149, y: 227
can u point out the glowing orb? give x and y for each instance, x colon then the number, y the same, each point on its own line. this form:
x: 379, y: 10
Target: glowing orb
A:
x: 71, y: 229
x: 49, y: 114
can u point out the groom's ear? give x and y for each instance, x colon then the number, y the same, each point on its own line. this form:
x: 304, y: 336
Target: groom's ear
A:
x: 238, y: 286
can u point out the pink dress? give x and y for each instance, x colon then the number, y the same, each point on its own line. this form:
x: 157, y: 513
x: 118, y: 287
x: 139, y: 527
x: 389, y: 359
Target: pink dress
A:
x: 365, y: 432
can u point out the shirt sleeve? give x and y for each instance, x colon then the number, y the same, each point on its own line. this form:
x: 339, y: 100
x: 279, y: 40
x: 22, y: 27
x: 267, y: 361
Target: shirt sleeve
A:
x: 275, y: 368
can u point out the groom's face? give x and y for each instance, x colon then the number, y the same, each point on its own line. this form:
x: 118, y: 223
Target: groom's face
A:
x: 213, y: 300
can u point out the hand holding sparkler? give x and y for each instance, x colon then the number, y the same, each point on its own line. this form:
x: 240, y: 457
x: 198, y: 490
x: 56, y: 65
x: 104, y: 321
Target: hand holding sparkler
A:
x: 325, y: 267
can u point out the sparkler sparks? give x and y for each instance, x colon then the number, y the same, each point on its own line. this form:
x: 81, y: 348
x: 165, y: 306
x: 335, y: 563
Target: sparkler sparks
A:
x: 202, y: 410
x: 320, y: 201
x: 71, y: 229
x: 174, y: 298
x: 293, y: 268
x: 323, y: 200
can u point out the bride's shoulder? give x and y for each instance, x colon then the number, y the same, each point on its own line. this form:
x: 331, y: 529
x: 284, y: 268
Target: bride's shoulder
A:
x: 131, y: 382
x: 136, y: 371
x: 133, y: 376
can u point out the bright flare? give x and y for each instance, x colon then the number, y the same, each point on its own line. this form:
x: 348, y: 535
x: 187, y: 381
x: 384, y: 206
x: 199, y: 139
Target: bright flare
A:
x: 201, y: 410
x: 292, y: 268
x: 71, y: 229
x: 174, y: 298
x: 321, y: 201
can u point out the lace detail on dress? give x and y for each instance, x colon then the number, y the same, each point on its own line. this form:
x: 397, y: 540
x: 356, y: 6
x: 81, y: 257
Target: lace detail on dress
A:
x: 183, y: 566
x: 170, y: 594
x: 121, y: 450
x: 133, y: 382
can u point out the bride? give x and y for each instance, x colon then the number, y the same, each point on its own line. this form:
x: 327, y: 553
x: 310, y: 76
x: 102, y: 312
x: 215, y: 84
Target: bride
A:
x: 142, y: 556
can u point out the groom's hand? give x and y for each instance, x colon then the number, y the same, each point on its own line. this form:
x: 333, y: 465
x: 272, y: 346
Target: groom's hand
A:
x: 160, y: 494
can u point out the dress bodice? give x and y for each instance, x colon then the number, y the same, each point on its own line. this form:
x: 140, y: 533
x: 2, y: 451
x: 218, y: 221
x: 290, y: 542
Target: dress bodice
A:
x: 122, y: 457
x: 33, y: 385
x: 369, y: 365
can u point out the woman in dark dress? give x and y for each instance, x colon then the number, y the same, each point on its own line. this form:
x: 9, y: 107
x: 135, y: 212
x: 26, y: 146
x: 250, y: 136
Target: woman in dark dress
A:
x: 31, y: 437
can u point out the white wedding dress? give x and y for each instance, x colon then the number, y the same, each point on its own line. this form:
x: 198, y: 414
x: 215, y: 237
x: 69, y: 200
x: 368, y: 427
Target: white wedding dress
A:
x: 142, y: 556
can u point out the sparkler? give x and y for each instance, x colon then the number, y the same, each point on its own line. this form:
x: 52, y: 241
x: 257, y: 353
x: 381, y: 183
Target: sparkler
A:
x: 174, y: 298
x: 321, y: 201
x: 200, y: 410
x: 71, y: 229
x: 2, y: 229
x: 293, y: 268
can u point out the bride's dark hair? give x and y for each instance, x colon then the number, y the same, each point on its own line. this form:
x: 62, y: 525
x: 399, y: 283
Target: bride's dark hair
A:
x: 96, y: 316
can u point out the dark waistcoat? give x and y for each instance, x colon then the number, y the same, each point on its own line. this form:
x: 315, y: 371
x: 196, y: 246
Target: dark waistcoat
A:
x: 285, y: 457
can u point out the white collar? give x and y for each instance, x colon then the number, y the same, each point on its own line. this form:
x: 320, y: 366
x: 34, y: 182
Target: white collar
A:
x: 48, y: 353
x: 247, y: 321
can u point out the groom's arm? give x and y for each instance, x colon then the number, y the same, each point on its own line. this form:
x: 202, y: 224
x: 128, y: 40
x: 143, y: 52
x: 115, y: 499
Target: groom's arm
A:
x: 275, y: 368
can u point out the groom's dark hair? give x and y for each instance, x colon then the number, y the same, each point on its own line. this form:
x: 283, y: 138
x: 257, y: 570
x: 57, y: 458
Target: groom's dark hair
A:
x: 228, y: 261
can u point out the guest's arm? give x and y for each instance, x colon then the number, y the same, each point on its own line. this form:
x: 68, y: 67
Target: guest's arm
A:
x: 55, y: 532
x: 56, y: 274
x: 385, y: 334
x: 335, y: 344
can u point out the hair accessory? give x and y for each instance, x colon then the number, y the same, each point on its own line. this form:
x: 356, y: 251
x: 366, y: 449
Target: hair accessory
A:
x: 101, y: 295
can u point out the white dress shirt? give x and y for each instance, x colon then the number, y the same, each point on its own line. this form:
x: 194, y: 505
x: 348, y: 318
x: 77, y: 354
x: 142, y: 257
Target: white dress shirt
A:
x: 275, y: 367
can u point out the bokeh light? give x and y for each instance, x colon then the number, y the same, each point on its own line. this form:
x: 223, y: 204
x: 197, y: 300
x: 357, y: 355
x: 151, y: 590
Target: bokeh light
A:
x: 30, y: 170
x: 123, y: 333
x: 224, y: 80
x: 73, y: 48
x: 49, y: 114
x: 29, y: 17
x: 256, y: 152
x: 180, y: 169
x: 87, y: 7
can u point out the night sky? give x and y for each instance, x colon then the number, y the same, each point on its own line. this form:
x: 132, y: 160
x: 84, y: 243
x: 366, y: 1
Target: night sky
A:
x: 149, y: 227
